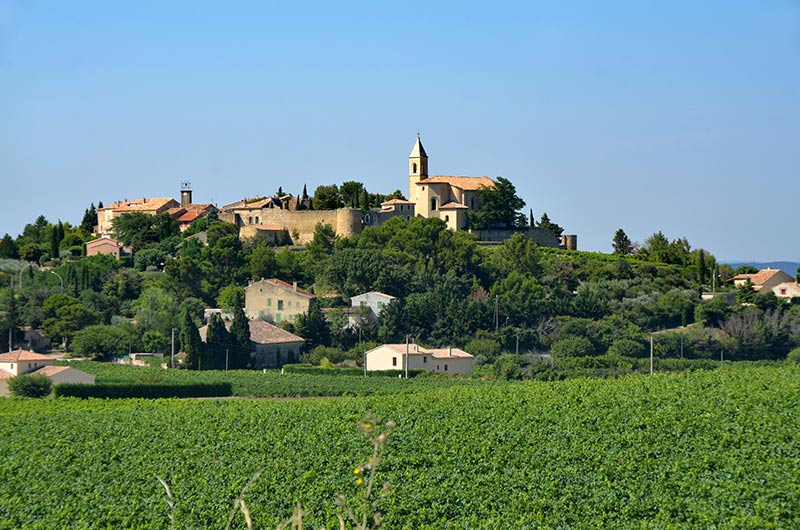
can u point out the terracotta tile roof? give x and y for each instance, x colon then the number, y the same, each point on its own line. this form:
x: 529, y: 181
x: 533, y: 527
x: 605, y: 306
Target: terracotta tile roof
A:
x: 268, y: 228
x: 465, y: 183
x: 759, y: 278
x: 5, y: 375
x: 288, y: 286
x: 261, y: 332
x: 140, y: 205
x: 453, y: 205
x: 101, y: 241
x: 50, y: 371
x: 396, y: 201
x: 21, y: 355
x: 190, y: 215
x: 416, y: 349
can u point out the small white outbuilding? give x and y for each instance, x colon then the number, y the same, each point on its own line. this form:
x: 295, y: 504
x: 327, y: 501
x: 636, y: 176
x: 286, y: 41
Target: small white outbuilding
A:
x: 415, y: 357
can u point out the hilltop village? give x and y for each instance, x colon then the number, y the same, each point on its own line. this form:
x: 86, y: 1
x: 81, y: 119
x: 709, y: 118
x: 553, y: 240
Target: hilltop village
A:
x: 449, y: 198
x: 449, y: 276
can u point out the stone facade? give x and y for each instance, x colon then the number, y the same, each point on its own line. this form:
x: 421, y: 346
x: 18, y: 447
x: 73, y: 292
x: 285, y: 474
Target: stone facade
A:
x: 276, y: 301
x: 300, y: 224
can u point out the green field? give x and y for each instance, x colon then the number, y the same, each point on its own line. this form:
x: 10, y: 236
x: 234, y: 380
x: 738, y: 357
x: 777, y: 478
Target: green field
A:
x: 701, y: 450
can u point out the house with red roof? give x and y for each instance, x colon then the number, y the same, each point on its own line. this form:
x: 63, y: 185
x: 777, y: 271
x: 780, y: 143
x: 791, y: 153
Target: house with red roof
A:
x: 272, y: 346
x: 769, y: 281
x: 416, y: 357
x: 275, y: 300
x: 18, y: 362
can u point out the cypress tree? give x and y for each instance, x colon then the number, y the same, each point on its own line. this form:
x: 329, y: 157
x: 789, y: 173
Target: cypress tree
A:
x: 240, y: 335
x: 190, y: 342
x: 217, y: 341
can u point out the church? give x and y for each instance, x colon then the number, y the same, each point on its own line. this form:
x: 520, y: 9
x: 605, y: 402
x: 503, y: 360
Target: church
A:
x: 449, y: 198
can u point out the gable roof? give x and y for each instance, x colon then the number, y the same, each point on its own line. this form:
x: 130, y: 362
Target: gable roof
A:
x: 761, y: 277
x: 465, y: 183
x: 50, y: 371
x: 142, y: 205
x: 21, y: 355
x: 416, y: 349
x: 261, y: 332
x: 286, y: 286
x: 103, y: 241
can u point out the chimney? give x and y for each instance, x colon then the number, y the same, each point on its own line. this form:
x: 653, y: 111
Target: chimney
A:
x: 294, y: 286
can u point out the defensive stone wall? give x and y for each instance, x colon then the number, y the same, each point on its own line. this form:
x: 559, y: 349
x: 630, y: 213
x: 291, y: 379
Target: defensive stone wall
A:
x: 346, y: 222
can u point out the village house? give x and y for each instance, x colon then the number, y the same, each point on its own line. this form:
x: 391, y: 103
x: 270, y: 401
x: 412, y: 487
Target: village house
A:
x: 415, y: 357
x: 18, y: 362
x: 272, y: 346
x: 108, y: 246
x: 373, y: 300
x: 152, y: 206
x: 768, y: 281
x: 276, y: 301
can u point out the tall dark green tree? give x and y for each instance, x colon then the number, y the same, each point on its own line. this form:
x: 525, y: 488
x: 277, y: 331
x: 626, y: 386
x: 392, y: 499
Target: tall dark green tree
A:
x: 89, y: 220
x: 191, y: 344
x: 313, y: 327
x: 8, y: 248
x: 622, y: 243
x: 546, y: 223
x: 321, y: 244
x: 499, y: 207
x: 218, y: 343
x: 240, y: 336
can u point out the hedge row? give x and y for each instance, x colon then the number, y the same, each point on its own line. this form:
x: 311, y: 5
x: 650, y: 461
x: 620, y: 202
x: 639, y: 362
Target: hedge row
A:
x: 151, y: 391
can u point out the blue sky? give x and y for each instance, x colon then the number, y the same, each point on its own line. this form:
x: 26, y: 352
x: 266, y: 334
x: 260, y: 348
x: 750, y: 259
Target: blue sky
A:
x: 676, y: 116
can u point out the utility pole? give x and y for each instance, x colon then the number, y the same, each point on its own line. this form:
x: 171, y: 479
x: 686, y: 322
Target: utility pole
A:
x: 226, y: 359
x: 405, y: 361
x: 496, y: 312
x: 172, y: 356
x: 651, y: 355
x: 517, y: 342
x: 681, y: 346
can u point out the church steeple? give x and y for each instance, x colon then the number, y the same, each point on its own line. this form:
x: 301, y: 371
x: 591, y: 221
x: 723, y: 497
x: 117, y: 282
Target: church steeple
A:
x: 418, y: 161
x: 417, y: 169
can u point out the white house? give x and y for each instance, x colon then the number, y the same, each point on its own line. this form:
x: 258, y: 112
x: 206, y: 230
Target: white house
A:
x: 374, y: 300
x: 398, y: 356
x: 20, y: 362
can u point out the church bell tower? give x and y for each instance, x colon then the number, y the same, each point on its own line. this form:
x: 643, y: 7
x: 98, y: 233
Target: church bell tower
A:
x: 417, y: 169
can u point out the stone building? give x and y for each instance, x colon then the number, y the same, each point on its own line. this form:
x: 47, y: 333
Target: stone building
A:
x: 276, y: 301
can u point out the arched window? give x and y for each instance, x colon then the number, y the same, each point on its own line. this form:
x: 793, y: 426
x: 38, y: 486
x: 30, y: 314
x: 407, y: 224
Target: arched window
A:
x: 249, y: 220
x: 414, y: 168
x: 434, y: 203
x: 446, y: 218
x: 256, y: 219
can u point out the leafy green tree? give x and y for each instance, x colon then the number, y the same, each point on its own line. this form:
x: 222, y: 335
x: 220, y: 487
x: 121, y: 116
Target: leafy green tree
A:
x: 149, y: 259
x: 30, y: 385
x: 328, y: 198
x: 154, y: 342
x: 745, y: 293
x: 322, y: 243
x: 157, y: 310
x: 191, y: 344
x: 712, y: 313
x: 352, y: 194
x: 572, y: 347
x: 485, y: 346
x: 499, y: 207
x: 547, y: 224
x: 627, y: 348
x: 140, y: 230
x: 622, y: 243
x: 263, y: 263
x: 102, y: 341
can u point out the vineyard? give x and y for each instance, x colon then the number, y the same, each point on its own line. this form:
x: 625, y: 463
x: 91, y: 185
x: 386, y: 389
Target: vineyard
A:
x: 704, y: 450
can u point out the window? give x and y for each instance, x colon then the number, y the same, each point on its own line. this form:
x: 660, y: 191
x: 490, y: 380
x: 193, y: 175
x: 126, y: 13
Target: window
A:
x: 277, y: 318
x: 446, y: 218
x: 437, y: 367
x: 414, y: 168
x: 783, y: 291
x: 472, y: 203
x: 249, y: 220
x: 256, y: 219
x: 433, y: 203
x: 424, y: 359
x: 394, y: 361
x: 280, y: 305
x: 269, y: 302
x: 445, y: 368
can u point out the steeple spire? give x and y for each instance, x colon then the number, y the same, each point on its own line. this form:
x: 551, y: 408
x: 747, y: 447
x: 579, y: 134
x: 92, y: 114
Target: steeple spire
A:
x: 418, y: 151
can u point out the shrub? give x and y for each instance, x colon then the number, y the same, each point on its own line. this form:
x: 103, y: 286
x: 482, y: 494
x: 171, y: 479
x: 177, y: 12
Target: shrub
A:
x: 794, y: 356
x: 508, y: 367
x: 33, y: 386
x: 627, y: 348
x: 572, y: 347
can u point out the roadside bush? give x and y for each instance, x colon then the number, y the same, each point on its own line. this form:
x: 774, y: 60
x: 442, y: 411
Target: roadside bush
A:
x: 508, y: 367
x: 33, y: 386
x: 627, y: 348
